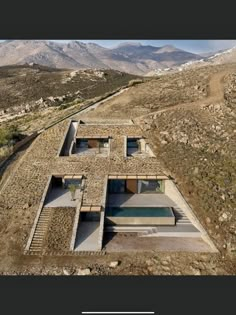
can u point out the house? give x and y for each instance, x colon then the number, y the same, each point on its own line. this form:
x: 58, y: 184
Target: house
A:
x: 119, y: 186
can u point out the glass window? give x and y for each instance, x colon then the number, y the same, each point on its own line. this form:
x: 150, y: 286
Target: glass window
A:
x: 150, y: 186
x: 82, y: 143
x: 132, y: 143
x: 116, y: 186
x: 103, y: 143
x: 72, y: 181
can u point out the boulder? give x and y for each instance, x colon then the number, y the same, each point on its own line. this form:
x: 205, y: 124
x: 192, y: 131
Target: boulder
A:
x: 164, y: 142
x: 68, y: 271
x: 114, y: 264
x: 84, y: 272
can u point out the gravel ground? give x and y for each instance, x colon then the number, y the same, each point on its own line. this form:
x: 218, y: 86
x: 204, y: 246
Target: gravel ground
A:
x: 60, y: 229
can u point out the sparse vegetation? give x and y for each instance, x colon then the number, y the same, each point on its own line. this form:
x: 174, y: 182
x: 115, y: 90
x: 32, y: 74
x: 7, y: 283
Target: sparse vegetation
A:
x: 8, y: 136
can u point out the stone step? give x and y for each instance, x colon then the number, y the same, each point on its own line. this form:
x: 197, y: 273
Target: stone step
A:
x: 42, y: 224
x: 35, y: 250
x: 41, y: 228
x: 37, y: 244
x: 134, y: 229
x: 34, y: 247
x: 183, y: 222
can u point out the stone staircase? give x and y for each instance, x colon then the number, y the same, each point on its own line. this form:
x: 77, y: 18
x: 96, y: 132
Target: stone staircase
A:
x: 40, y: 231
x: 180, y: 216
x: 129, y: 229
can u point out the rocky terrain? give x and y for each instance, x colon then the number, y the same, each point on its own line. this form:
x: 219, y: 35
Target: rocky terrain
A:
x: 121, y: 264
x: 60, y: 228
x: 24, y: 89
x: 190, y: 121
x: 193, y: 134
x: 162, y: 92
x: 194, y: 137
x: 32, y: 97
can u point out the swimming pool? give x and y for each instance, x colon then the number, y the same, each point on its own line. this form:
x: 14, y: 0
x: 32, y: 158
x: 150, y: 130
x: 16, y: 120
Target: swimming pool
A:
x: 143, y: 212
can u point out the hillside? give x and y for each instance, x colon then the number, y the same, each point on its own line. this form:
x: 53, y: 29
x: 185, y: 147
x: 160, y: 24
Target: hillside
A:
x: 190, y: 118
x: 28, y: 88
x: 32, y: 97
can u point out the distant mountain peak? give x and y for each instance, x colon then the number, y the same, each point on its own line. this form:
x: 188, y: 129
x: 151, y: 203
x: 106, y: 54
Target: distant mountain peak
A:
x: 168, y: 48
x: 129, y: 56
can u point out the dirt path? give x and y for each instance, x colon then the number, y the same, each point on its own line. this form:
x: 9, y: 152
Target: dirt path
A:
x: 215, y: 94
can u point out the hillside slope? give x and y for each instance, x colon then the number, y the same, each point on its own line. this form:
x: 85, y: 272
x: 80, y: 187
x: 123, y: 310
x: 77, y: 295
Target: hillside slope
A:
x: 26, y: 88
x: 193, y: 132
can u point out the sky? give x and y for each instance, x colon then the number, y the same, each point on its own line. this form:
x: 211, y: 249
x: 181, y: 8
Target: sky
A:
x: 195, y: 46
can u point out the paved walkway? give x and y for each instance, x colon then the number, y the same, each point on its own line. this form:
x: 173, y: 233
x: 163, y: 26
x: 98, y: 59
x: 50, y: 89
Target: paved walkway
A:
x: 87, y: 236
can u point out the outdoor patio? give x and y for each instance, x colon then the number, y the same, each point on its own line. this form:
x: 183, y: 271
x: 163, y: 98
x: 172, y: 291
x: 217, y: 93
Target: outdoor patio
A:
x: 130, y: 200
x: 136, y: 153
x: 80, y: 151
x: 61, y: 197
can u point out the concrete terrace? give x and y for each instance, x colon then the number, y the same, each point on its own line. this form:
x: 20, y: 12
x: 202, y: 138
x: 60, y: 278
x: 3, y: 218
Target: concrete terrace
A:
x: 149, y: 200
x: 60, y: 197
x: 87, y: 236
x: 102, y: 152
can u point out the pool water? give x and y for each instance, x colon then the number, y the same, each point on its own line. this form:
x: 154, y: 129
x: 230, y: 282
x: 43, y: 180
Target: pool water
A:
x: 139, y: 212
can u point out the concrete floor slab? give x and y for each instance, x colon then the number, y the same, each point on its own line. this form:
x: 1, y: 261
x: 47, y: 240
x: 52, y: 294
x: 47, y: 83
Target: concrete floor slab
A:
x: 91, y: 151
x: 127, y: 243
x: 136, y: 153
x: 87, y: 236
x: 178, y: 228
x: 60, y: 197
x: 140, y: 200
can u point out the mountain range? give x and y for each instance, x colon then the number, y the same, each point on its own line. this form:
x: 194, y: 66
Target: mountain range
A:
x: 133, y: 58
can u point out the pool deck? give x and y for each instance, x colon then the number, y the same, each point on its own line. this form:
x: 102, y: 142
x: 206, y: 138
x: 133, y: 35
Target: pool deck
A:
x: 131, y: 243
x: 140, y: 200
